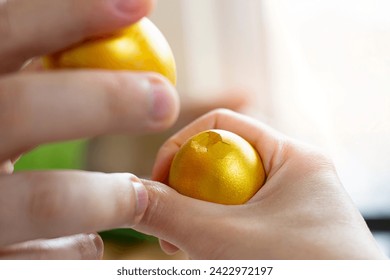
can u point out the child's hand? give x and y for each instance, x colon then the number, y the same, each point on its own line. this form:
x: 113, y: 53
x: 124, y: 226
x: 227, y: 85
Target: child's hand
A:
x: 302, y: 211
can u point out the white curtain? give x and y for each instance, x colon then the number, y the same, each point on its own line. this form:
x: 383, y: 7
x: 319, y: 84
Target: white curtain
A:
x: 329, y: 65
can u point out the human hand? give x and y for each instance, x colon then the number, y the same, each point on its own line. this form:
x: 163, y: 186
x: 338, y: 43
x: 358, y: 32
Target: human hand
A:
x: 112, y: 152
x: 302, y: 211
x: 42, y: 107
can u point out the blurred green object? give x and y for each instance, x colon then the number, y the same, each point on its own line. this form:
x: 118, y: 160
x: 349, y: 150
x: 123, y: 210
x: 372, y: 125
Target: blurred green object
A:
x: 64, y: 155
x: 72, y: 155
x: 126, y: 236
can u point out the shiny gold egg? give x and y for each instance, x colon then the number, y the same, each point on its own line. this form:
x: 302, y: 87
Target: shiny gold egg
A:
x: 217, y: 166
x: 139, y: 47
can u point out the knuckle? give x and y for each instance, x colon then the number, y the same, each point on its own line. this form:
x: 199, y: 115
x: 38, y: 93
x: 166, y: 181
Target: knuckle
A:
x: 154, y: 206
x: 85, y: 247
x: 37, y: 251
x: 217, y: 115
x: 310, y: 158
x: 124, y: 98
x: 116, y: 101
x: 124, y: 207
x: 220, y: 112
x: 157, y: 207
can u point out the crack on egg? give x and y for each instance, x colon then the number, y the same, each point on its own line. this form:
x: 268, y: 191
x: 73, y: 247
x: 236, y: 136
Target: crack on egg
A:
x: 211, y: 142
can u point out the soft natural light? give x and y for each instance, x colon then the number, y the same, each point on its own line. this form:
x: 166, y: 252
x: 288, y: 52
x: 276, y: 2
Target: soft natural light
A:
x: 331, y: 86
x: 320, y: 71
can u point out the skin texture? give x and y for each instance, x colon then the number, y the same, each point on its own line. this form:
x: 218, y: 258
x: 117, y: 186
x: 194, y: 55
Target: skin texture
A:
x: 54, y: 215
x: 302, y: 211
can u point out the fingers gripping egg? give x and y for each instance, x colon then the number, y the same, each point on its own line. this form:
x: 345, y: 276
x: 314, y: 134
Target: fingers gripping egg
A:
x: 217, y: 166
x: 139, y: 47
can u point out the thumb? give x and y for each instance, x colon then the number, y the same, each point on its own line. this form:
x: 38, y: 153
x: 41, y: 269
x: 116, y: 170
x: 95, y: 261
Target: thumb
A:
x: 189, y: 224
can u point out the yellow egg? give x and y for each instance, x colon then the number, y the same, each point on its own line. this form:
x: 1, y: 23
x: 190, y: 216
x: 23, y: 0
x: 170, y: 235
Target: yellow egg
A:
x: 217, y: 166
x: 139, y: 47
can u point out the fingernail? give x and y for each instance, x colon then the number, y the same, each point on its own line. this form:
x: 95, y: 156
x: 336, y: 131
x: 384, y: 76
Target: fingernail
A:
x: 141, y: 195
x: 6, y: 167
x: 162, y: 101
x: 97, y: 240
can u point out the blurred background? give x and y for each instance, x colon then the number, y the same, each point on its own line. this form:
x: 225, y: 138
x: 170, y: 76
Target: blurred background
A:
x: 316, y: 70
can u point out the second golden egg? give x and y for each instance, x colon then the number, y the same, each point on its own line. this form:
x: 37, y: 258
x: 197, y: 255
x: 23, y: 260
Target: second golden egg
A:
x: 139, y: 47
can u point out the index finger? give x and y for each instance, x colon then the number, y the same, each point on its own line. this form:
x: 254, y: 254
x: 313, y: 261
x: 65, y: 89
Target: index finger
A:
x: 64, y: 105
x: 268, y: 142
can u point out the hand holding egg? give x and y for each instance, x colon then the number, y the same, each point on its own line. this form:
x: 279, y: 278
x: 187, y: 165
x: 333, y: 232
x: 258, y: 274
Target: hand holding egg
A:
x: 139, y: 47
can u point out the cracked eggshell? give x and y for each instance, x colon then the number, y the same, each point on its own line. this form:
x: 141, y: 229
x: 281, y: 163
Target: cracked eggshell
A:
x: 217, y: 166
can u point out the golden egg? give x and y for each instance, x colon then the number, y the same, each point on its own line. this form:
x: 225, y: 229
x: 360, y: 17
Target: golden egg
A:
x: 217, y: 166
x: 139, y: 47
